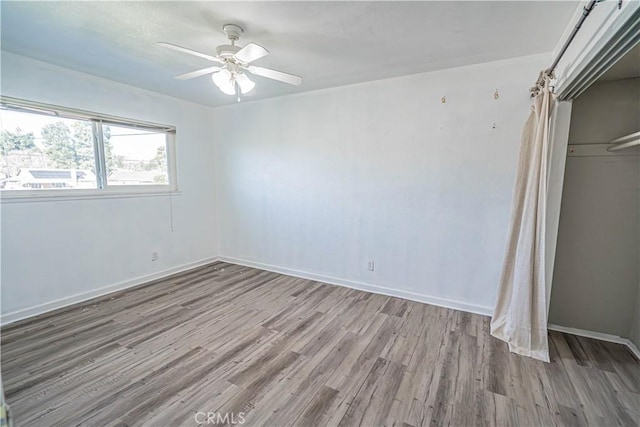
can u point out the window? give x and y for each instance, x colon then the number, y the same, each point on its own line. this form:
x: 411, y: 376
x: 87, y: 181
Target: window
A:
x: 51, y: 148
x: 135, y: 156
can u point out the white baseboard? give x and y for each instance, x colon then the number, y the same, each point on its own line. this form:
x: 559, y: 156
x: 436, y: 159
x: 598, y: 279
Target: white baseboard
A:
x: 362, y: 286
x: 597, y: 336
x: 353, y: 284
x: 413, y: 296
x: 14, y: 316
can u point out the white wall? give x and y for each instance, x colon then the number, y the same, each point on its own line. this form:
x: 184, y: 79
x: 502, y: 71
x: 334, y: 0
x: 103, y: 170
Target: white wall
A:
x: 607, y: 110
x: 57, y: 250
x: 324, y: 181
x: 597, y: 274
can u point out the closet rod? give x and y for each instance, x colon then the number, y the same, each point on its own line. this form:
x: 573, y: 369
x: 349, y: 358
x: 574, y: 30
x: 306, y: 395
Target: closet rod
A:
x: 549, y: 71
x: 625, y: 142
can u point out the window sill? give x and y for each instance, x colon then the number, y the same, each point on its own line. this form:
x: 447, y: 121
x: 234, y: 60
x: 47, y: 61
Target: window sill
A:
x: 20, y: 196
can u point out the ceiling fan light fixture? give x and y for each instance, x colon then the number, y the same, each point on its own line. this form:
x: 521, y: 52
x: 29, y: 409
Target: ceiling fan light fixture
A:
x: 224, y: 80
x: 245, y: 83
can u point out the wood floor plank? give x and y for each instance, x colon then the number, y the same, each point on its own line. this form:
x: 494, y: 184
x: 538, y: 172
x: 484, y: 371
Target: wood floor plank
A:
x: 226, y: 340
x: 280, y: 408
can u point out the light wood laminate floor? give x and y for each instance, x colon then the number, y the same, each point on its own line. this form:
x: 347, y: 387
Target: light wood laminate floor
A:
x: 287, y: 351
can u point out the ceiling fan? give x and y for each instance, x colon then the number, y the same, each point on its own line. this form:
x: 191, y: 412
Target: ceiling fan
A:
x: 230, y: 76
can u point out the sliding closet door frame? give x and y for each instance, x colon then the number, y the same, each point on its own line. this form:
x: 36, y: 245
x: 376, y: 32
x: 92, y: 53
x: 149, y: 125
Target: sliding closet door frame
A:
x: 558, y: 140
x: 610, y: 31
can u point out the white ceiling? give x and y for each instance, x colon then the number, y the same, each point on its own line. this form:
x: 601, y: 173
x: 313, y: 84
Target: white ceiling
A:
x: 328, y: 43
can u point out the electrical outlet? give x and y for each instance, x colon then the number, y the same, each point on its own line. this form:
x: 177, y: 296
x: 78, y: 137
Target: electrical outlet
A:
x: 371, y: 266
x: 154, y: 256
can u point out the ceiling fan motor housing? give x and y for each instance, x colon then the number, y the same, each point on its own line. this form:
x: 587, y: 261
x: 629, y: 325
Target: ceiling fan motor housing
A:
x: 233, y: 33
x: 227, y: 51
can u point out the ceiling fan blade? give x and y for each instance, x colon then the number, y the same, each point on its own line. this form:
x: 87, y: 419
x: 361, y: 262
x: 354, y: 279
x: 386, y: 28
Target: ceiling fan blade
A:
x: 188, y: 51
x: 275, y: 75
x: 251, y: 52
x: 197, y: 73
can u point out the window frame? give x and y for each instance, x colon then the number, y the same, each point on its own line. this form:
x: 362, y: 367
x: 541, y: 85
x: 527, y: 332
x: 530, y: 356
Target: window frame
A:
x: 103, y: 190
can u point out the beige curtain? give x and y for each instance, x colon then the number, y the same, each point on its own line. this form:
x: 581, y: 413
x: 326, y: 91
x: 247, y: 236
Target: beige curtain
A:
x: 520, y: 314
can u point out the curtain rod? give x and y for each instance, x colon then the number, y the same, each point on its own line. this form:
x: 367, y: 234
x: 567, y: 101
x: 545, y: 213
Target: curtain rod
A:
x: 549, y: 71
